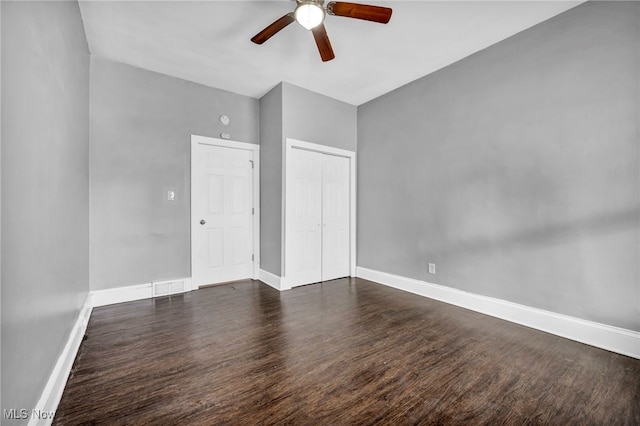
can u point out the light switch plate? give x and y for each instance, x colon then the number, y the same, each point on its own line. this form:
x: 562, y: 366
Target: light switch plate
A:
x: 171, y: 195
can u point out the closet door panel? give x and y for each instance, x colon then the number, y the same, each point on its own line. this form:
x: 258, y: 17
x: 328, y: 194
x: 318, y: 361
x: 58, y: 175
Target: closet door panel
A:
x: 304, y: 218
x: 335, y: 217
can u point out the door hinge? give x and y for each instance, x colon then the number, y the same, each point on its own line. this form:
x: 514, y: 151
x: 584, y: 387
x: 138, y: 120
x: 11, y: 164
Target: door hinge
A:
x: 251, y: 161
x: 252, y: 257
x: 253, y: 210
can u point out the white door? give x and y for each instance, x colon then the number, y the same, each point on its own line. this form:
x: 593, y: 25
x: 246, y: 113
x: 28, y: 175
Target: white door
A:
x: 304, y: 211
x: 222, y: 228
x: 317, y: 217
x: 335, y: 217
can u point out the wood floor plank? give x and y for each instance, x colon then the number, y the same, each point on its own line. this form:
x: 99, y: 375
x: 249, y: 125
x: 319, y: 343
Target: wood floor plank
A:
x: 342, y: 352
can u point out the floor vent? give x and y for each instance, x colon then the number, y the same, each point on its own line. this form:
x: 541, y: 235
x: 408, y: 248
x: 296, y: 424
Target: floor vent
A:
x: 163, y: 288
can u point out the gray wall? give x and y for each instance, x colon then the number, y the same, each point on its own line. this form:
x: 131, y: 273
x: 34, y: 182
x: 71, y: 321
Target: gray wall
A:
x: 289, y: 111
x: 271, y: 180
x: 141, y: 124
x: 515, y: 170
x: 0, y: 205
x: 311, y: 117
x: 45, y: 190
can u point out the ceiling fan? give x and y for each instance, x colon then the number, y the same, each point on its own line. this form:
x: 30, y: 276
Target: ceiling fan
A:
x: 311, y: 13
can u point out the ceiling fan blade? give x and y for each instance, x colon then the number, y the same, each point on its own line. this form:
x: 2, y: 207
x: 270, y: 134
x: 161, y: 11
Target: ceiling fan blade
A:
x: 323, y: 43
x: 360, y: 11
x: 273, y: 29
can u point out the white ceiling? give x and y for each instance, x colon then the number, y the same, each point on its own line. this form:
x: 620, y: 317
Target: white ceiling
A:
x: 208, y: 42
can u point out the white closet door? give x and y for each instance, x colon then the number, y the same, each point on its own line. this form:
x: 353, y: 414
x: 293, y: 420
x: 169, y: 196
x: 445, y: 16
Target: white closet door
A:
x: 223, y: 228
x: 304, y: 218
x: 335, y: 217
x: 317, y: 217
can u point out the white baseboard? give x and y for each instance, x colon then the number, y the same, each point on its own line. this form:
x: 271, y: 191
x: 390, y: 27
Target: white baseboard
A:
x: 615, y: 339
x: 111, y: 296
x: 130, y: 293
x: 271, y: 280
x: 52, y: 393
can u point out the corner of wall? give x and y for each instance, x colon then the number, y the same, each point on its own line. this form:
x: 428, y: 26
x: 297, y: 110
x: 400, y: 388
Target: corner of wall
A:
x: 0, y: 195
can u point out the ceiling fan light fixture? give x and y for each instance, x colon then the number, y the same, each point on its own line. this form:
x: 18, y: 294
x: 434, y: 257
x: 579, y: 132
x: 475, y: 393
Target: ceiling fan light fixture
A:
x: 309, y: 14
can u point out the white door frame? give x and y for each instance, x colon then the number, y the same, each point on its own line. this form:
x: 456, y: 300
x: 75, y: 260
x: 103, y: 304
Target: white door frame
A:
x: 290, y: 144
x: 205, y: 140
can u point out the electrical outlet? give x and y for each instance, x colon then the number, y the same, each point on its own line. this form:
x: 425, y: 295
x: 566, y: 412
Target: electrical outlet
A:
x: 432, y: 268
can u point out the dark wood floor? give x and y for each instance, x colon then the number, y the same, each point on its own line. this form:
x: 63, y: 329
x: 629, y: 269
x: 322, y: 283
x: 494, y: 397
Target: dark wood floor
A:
x: 343, y: 352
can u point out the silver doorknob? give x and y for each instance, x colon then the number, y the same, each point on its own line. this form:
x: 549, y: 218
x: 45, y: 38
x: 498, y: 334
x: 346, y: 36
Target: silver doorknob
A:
x: 202, y: 222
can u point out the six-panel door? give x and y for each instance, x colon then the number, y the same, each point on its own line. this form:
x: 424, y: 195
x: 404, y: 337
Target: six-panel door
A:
x: 223, y: 223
